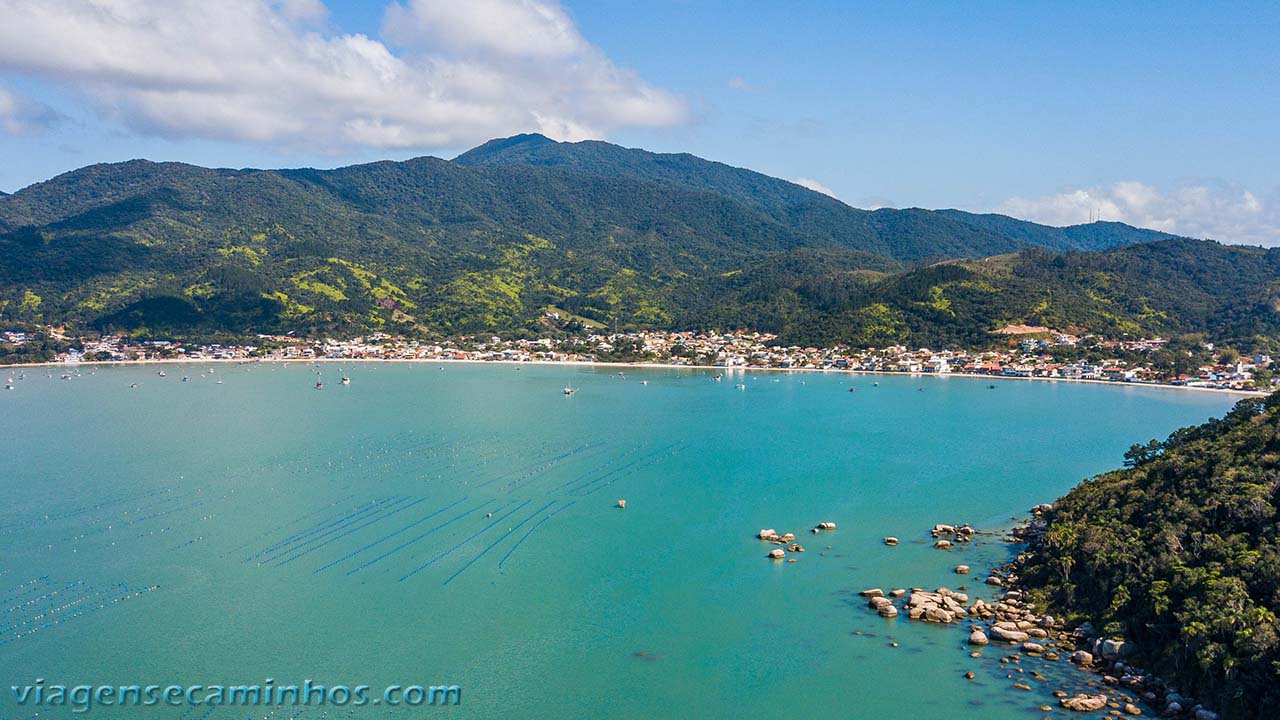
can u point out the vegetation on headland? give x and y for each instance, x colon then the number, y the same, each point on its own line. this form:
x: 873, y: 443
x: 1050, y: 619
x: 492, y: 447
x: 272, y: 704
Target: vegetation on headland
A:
x: 612, y: 237
x: 1180, y: 553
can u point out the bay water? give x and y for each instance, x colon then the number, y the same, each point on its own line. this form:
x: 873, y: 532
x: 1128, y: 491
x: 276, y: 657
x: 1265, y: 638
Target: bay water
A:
x: 456, y: 524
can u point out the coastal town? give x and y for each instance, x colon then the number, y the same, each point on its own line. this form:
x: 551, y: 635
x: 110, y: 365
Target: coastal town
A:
x: 1040, y: 355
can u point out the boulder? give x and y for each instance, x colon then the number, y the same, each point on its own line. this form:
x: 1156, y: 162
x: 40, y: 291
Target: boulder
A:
x: 888, y: 611
x: 795, y: 547
x: 787, y: 537
x: 1033, y: 648
x: 1111, y: 649
x: 962, y: 569
x: 1081, y: 657
x: 777, y: 553
x: 873, y: 592
x: 933, y: 613
x: 1206, y: 714
x: 977, y: 637
x: 943, y: 545
x: 1084, y: 703
x: 826, y: 526
x: 769, y: 534
x: 878, y: 602
x: 1016, y: 636
x: 897, y: 592
x: 1132, y: 709
x: 993, y: 580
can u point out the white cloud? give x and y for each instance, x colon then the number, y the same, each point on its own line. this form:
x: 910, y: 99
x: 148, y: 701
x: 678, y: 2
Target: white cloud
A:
x: 1219, y: 211
x: 267, y: 71
x: 23, y: 116
x: 815, y: 186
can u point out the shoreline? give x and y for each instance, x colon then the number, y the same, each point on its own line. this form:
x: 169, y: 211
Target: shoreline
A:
x: 633, y: 365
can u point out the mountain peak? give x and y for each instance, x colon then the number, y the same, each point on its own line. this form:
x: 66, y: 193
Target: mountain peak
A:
x: 499, y: 146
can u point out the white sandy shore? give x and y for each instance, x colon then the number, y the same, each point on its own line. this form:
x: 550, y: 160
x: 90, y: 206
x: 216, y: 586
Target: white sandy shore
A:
x: 634, y: 365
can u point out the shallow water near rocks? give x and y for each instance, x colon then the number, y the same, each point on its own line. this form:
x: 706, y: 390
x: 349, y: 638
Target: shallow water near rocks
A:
x: 204, y: 533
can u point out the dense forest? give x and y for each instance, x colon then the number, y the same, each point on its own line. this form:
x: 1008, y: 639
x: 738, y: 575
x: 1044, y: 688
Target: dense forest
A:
x: 1180, y: 553
x: 606, y: 236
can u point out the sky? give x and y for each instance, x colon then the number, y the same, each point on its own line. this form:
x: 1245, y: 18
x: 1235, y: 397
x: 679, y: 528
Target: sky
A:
x: 1161, y: 114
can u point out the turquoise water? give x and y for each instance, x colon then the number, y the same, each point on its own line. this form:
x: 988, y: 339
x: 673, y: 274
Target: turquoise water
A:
x: 204, y: 533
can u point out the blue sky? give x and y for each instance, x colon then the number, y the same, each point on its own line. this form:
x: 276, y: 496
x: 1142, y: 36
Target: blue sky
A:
x: 1159, y: 114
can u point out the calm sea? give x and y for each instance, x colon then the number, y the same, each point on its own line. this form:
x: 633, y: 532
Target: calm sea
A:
x: 456, y: 524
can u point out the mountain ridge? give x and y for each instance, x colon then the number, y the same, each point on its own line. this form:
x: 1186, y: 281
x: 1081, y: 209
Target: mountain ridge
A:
x: 486, y: 242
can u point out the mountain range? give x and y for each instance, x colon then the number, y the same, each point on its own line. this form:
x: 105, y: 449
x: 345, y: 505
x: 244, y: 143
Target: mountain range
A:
x: 603, y: 235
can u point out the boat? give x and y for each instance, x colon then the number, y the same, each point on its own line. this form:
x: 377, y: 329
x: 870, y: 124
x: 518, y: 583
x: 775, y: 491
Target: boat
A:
x: 568, y: 391
x: 161, y: 373
x: 852, y: 388
x: 644, y: 382
x: 219, y: 381
x: 319, y: 385
x: 718, y: 378
x: 186, y: 379
x: 741, y: 386
x: 346, y: 380
x: 991, y: 387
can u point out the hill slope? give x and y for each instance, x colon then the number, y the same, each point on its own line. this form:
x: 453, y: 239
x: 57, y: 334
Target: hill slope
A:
x: 1181, y: 554
x: 1166, y: 288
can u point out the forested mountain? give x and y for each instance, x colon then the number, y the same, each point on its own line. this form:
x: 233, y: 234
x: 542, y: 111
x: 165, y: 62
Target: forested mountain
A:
x: 1180, y: 554
x: 624, y: 238
x: 1094, y: 236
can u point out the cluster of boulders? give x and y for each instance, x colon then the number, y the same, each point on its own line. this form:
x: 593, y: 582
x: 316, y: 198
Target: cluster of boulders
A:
x: 787, y: 540
x: 947, y: 536
x: 773, y: 536
x: 1011, y: 620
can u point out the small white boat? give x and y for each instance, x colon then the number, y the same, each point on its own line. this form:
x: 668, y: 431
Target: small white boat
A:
x: 319, y: 385
x: 161, y: 373
x: 346, y: 380
x: 718, y: 378
x: 568, y: 391
x: 644, y: 382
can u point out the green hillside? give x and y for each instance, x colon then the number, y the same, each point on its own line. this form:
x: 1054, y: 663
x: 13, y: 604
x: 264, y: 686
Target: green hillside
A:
x: 1180, y: 553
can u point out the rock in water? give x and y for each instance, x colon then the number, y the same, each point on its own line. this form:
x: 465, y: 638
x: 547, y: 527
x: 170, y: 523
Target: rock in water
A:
x: 1007, y: 635
x: 977, y: 637
x: 777, y: 553
x: 1084, y: 703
